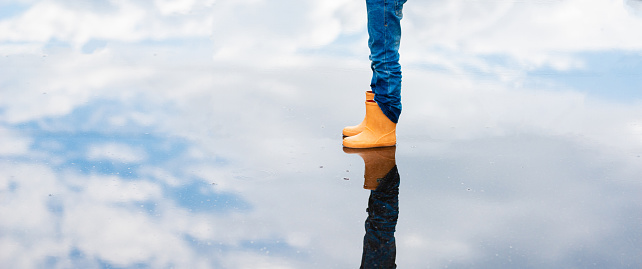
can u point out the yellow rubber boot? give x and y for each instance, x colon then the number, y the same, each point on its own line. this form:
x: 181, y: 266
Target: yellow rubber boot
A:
x: 378, y: 162
x: 378, y: 132
x: 355, y: 130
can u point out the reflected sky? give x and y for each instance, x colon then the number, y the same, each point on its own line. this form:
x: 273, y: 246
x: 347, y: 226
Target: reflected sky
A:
x: 206, y: 134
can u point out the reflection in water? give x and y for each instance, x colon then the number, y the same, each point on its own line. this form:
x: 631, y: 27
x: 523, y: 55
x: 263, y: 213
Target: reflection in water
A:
x: 382, y: 178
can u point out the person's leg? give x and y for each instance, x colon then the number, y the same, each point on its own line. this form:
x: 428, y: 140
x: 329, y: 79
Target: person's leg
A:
x: 384, y: 29
x: 382, y: 114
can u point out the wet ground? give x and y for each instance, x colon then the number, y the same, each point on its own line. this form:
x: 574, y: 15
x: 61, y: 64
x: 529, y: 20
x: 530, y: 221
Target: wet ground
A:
x: 155, y: 155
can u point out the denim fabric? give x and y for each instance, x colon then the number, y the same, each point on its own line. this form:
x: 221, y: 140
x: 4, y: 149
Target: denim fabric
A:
x: 384, y: 29
x: 379, y: 247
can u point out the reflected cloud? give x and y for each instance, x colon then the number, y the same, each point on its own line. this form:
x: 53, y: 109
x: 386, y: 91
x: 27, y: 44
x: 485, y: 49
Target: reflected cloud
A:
x: 77, y: 214
x: 634, y: 6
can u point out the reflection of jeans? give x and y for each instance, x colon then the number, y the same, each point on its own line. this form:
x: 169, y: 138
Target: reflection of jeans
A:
x: 384, y: 28
x: 379, y: 247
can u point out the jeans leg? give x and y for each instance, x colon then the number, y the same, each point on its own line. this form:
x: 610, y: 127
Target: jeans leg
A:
x: 384, y: 29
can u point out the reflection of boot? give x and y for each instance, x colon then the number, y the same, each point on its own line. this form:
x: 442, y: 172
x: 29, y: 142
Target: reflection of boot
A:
x: 379, y: 244
x: 378, y: 162
x: 355, y: 130
x: 379, y: 131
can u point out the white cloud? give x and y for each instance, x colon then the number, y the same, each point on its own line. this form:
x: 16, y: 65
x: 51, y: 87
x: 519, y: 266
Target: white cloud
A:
x: 114, y: 190
x: 249, y: 261
x: 262, y: 32
x: 536, y: 33
x: 123, y: 237
x: 49, y: 214
x: 451, y: 106
x: 116, y: 152
x: 66, y: 80
x: 12, y: 143
x: 169, y: 7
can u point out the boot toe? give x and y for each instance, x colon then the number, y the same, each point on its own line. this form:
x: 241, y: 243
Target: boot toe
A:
x: 352, y: 130
x: 363, y: 140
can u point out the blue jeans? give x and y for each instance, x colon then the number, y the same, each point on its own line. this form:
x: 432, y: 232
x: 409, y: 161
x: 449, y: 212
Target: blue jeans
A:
x: 384, y: 30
